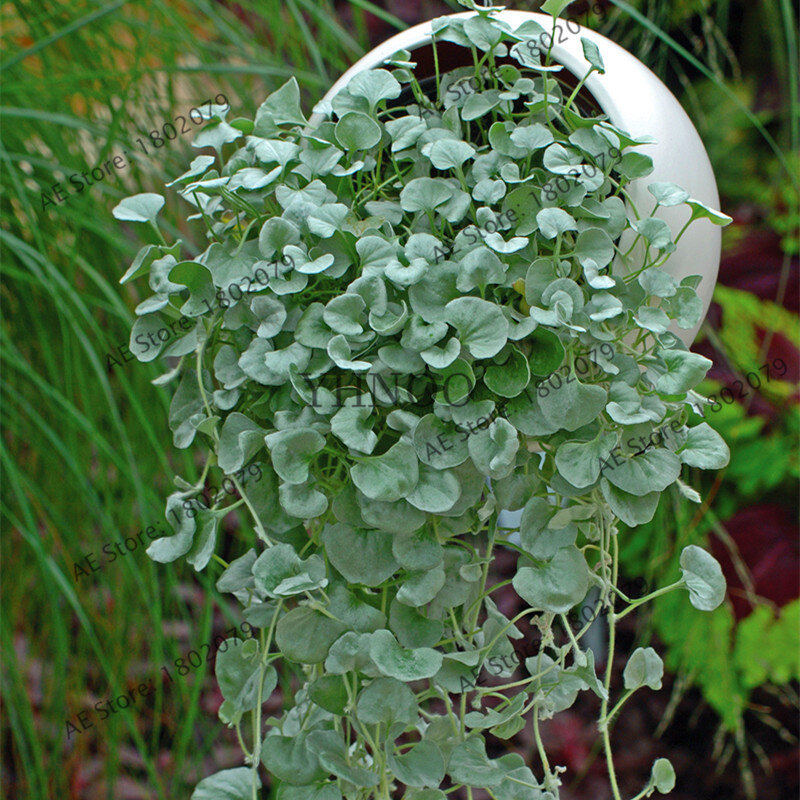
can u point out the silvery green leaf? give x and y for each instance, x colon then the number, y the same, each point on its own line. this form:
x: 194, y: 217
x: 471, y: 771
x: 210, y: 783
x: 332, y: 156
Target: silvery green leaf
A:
x: 420, y: 766
x: 668, y: 194
x: 630, y: 508
x: 500, y: 140
x: 556, y: 585
x: 692, y: 495
x: 573, y: 405
x: 702, y: 211
x: 652, y: 319
x: 238, y: 576
x: 579, y: 462
x: 186, y: 411
x: 405, y: 131
x: 152, y: 305
x: 198, y: 166
x: 169, y: 548
x: 684, y: 371
x: 652, y: 471
x: 357, y: 131
x: 500, y: 245
x: 375, y: 251
x: 288, y: 758
x: 139, y: 208
x: 686, y: 308
x: 229, y: 784
x: 253, y: 178
x: 494, y: 450
x: 532, y: 59
x: 436, y: 490
x: 448, y: 154
x: 634, y: 165
x: 479, y: 267
x: 238, y: 674
x: 603, y: 306
x: 470, y: 765
x: 350, y: 653
x: 510, y: 377
x: 644, y: 668
x: 216, y: 134
x: 655, y: 231
x: 270, y: 314
x: 292, y: 452
x: 374, y: 85
x: 339, y: 351
x: 596, y: 245
x: 662, y: 776
x: 402, y: 663
x: 483, y: 32
x: 479, y: 104
x: 421, y: 587
x: 438, y: 444
x: 592, y: 54
x: 350, y: 424
x: 329, y: 748
x: 554, y: 7
x: 532, y: 137
x: 657, y: 282
x: 554, y: 221
x: 343, y: 314
x: 705, y: 448
x: 272, y: 367
x: 481, y: 325
x: 489, y: 191
x: 418, y: 335
x: 375, y: 562
x: 386, y: 700
x: 239, y: 440
x: 537, y: 538
x: 455, y: 209
x: 588, y: 674
x: 703, y: 577
x: 280, y: 572
x: 301, y: 500
x: 276, y: 233
x: 425, y: 194
x: 326, y: 221
x: 560, y: 160
x: 413, y: 628
x: 281, y: 107
x: 348, y: 608
x: 497, y: 715
x: 391, y: 476
x: 513, y: 491
x: 442, y: 357
x: 305, y: 635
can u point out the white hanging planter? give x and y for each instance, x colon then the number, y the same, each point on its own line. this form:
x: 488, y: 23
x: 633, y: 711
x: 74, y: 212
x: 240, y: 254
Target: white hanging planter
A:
x: 636, y: 101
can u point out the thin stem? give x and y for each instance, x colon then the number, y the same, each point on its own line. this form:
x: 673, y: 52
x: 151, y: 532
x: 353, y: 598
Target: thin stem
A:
x: 647, y: 598
x: 614, y: 711
x: 612, y: 633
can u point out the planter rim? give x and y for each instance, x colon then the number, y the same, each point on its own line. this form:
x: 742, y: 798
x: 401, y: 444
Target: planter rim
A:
x: 635, y: 100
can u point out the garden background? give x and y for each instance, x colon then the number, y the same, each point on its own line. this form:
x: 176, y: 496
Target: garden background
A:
x: 87, y: 455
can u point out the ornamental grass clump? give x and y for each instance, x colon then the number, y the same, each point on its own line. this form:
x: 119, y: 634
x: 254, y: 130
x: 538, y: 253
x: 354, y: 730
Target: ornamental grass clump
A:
x: 407, y: 319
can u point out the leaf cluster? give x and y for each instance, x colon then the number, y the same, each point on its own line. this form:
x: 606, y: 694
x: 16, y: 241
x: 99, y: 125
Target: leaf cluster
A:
x: 370, y: 573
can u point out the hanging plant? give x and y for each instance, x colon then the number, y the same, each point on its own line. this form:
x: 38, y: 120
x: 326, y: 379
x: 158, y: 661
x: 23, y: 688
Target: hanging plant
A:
x: 405, y: 322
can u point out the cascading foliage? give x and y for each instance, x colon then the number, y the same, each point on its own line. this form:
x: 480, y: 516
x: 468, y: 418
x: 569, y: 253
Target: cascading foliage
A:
x: 406, y: 321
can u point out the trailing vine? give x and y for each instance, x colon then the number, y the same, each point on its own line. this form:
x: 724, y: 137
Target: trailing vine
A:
x: 406, y: 323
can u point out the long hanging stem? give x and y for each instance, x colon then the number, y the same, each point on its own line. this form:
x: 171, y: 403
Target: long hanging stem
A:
x: 605, y: 537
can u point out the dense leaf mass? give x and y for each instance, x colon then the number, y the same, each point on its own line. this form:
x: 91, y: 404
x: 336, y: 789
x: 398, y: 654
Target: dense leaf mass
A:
x: 411, y: 316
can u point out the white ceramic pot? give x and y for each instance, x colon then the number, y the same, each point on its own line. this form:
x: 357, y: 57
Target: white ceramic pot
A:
x: 636, y: 101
